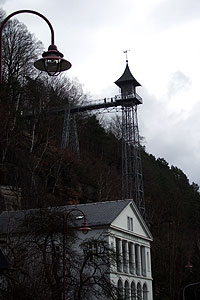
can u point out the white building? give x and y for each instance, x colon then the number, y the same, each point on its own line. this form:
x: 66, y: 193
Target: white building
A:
x: 125, y: 230
x: 120, y: 224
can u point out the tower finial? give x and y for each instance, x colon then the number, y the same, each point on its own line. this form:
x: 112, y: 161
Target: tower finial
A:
x: 126, y: 52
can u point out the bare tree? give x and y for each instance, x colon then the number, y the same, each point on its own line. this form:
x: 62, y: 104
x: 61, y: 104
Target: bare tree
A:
x: 93, y: 280
x: 114, y: 125
x: 34, y: 249
x: 33, y: 138
x: 20, y: 50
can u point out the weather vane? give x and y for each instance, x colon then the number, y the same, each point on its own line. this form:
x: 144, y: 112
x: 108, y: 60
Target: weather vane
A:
x: 126, y: 52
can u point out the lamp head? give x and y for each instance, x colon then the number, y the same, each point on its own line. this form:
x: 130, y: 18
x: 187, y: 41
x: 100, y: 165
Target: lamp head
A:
x: 188, y: 266
x: 52, y: 62
x: 85, y: 228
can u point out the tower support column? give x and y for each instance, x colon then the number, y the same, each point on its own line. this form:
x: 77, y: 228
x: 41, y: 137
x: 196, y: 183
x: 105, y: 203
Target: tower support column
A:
x: 132, y: 183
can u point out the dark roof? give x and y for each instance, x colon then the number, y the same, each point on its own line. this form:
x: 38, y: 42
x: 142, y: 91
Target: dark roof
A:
x: 102, y: 213
x: 127, y: 77
x: 11, y: 220
x: 97, y: 214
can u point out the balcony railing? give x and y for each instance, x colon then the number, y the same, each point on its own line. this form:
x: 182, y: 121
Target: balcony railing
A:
x: 128, y: 96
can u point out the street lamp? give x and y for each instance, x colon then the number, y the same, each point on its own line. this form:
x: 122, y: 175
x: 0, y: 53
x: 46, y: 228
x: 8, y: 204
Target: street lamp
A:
x: 52, y: 61
x: 85, y: 228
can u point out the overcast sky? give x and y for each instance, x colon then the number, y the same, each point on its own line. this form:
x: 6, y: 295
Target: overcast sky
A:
x: 163, y: 38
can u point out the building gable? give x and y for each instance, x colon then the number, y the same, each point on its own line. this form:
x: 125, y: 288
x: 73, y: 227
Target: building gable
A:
x: 130, y: 220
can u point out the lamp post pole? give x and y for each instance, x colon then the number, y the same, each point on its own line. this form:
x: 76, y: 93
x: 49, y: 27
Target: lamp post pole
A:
x: 85, y: 228
x: 52, y: 61
x: 188, y: 285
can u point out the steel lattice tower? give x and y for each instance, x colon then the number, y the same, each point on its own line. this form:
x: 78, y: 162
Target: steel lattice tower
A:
x: 128, y: 100
x: 69, y: 133
x: 132, y: 179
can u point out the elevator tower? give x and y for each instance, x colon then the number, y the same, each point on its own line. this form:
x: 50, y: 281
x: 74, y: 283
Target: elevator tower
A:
x: 132, y: 178
x: 128, y: 100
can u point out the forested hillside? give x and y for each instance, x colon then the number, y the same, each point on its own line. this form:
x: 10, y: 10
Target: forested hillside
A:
x: 42, y: 173
x: 173, y: 207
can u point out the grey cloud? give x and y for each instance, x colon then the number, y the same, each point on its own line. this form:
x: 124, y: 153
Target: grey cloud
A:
x: 2, y: 2
x: 170, y: 12
x: 176, y: 139
x: 178, y: 82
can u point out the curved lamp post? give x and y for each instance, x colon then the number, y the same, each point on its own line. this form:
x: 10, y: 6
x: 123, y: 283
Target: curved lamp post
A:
x: 85, y: 228
x: 52, y: 61
x: 188, y: 285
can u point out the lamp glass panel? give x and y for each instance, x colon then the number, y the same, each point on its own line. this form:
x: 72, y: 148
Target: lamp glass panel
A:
x: 52, y: 66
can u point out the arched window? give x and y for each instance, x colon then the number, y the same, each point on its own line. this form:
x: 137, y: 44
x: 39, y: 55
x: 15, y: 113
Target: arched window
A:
x: 120, y: 289
x: 145, y: 292
x: 139, y: 291
x: 133, y: 291
x: 127, y: 290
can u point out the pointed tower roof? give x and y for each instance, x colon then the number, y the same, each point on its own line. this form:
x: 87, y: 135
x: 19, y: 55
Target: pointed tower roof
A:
x: 127, y: 77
